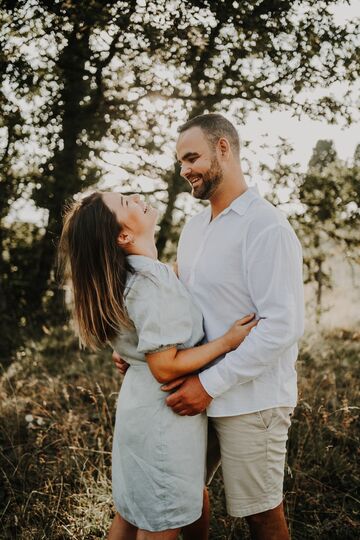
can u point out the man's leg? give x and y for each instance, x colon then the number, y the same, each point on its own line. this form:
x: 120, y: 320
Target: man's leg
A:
x: 253, y: 448
x: 269, y: 525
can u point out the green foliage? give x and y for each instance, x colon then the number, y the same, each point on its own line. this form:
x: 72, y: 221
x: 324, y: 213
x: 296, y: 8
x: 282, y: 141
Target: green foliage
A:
x: 330, y: 197
x: 56, y: 420
x: 324, y: 154
x: 18, y: 273
x: 357, y: 156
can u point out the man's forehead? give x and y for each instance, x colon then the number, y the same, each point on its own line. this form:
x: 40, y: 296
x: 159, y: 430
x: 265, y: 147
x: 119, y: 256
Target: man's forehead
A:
x: 190, y: 141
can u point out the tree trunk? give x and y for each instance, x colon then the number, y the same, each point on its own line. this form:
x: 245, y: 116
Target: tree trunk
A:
x: 318, y: 277
x: 63, y: 180
x: 319, y: 281
x: 175, y: 183
x: 175, y: 186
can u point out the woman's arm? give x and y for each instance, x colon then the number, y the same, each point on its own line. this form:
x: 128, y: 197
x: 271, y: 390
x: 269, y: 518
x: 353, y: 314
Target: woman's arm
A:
x: 172, y: 363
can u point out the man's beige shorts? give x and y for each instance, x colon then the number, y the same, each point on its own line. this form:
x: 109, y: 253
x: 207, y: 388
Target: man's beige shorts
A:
x: 252, y: 448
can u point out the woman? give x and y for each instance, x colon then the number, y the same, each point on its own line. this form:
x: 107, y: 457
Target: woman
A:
x: 124, y: 296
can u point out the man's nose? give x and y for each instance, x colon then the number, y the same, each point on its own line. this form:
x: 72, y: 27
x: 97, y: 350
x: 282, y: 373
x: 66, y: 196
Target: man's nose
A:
x: 185, y: 171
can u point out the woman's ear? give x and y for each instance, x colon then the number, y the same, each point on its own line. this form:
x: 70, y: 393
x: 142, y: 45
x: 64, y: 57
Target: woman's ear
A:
x: 125, y: 238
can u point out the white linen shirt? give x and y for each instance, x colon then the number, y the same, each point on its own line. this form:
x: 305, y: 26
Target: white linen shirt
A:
x: 247, y: 260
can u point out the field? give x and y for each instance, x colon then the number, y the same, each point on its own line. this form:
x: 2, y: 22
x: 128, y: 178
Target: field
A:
x: 56, y: 420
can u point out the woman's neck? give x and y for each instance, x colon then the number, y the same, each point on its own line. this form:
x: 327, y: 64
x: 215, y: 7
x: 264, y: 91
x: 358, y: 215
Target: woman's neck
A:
x: 144, y: 248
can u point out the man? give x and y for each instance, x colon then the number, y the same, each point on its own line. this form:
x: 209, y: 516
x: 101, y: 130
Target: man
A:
x: 239, y: 256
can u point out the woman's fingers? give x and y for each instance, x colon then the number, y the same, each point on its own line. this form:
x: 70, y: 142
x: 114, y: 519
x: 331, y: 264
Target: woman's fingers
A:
x: 116, y: 356
x: 252, y: 324
x: 173, y: 384
x: 247, y: 319
x: 120, y: 364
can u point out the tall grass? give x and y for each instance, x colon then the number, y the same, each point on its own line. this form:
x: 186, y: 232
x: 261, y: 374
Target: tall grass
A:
x: 57, y: 415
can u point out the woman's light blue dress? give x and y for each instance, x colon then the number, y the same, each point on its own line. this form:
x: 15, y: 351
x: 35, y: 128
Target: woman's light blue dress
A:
x: 158, y: 467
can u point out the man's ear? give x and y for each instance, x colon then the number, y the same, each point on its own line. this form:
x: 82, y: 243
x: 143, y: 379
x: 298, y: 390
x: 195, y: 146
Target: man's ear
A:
x: 224, y: 147
x: 125, y: 238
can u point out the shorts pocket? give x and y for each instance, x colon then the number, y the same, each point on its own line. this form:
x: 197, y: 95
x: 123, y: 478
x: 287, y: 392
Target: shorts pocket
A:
x: 265, y: 418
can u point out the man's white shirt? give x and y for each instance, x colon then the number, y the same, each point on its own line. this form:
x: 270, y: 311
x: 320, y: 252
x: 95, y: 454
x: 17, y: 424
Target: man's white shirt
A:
x: 247, y: 260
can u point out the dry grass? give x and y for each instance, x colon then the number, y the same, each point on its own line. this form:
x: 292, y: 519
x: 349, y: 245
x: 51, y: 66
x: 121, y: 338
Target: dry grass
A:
x: 56, y: 431
x: 57, y: 415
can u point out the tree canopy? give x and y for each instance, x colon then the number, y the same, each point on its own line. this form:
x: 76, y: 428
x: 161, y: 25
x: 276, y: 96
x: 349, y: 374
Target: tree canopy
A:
x: 80, y: 81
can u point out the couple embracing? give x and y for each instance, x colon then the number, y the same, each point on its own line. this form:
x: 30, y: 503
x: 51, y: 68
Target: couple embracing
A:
x: 215, y: 344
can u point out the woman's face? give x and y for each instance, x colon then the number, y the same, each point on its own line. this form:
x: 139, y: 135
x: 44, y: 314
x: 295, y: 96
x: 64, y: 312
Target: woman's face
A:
x: 132, y: 212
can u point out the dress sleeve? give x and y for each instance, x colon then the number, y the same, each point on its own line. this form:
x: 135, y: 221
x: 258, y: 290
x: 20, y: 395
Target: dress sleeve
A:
x: 159, y: 309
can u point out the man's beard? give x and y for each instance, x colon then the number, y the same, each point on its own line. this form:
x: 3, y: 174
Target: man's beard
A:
x: 209, y: 182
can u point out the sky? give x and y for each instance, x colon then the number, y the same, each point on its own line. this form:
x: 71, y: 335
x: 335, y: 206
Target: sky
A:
x: 303, y: 134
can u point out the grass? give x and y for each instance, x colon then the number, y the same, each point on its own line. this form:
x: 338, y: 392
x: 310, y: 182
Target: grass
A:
x: 56, y: 421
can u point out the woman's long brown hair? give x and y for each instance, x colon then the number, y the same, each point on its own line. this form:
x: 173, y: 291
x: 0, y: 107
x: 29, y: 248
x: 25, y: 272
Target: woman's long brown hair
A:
x: 97, y: 266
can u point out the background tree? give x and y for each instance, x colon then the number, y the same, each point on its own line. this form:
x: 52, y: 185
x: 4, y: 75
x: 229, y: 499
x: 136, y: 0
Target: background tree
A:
x: 103, y: 84
x: 324, y: 207
x: 357, y: 156
x: 323, y: 155
x: 17, y: 172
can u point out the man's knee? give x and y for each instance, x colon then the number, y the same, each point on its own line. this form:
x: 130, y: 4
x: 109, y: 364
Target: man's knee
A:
x: 273, y: 515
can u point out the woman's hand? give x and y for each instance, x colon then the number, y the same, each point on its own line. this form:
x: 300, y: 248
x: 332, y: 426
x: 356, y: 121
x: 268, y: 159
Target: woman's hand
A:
x: 239, y: 330
x: 120, y: 364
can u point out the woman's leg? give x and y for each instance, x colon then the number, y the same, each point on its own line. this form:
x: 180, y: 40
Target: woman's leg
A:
x: 199, y: 530
x: 170, y: 534
x: 121, y: 529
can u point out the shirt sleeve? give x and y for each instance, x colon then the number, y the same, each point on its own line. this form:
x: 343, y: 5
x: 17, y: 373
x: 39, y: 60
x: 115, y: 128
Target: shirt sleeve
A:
x: 274, y: 275
x: 159, y: 310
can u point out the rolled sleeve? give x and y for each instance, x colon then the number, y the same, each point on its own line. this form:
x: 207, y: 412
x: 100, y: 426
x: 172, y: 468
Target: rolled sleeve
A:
x: 274, y: 275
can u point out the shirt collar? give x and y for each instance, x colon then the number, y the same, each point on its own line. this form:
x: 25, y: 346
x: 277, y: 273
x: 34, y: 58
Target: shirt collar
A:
x: 238, y: 205
x: 242, y: 203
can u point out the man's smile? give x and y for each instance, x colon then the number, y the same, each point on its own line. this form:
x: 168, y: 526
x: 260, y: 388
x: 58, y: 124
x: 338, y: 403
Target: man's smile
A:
x: 194, y: 180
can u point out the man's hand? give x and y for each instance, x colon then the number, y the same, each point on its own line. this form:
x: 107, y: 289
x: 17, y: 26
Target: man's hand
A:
x: 120, y: 364
x: 190, y: 398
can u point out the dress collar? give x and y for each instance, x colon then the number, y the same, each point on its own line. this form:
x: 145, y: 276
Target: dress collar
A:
x: 141, y: 262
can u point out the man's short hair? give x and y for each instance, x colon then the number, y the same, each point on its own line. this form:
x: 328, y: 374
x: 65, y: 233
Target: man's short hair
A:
x: 214, y: 127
